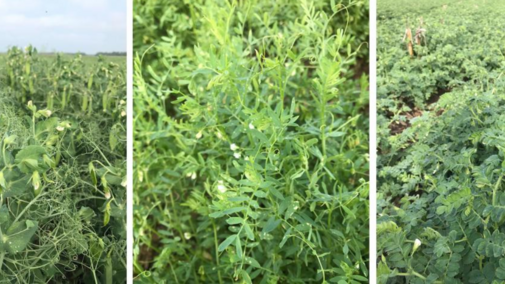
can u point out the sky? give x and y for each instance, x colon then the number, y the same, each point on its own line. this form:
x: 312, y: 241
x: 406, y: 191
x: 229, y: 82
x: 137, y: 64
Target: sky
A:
x: 88, y: 26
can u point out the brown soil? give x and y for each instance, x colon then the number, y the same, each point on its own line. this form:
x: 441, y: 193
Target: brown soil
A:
x: 397, y: 128
x: 361, y: 67
x: 436, y: 96
x: 400, y: 126
x: 147, y: 254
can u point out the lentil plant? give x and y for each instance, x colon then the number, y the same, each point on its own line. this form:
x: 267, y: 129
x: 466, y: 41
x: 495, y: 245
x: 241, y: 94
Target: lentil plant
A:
x: 62, y: 169
x: 251, y: 142
x: 441, y: 143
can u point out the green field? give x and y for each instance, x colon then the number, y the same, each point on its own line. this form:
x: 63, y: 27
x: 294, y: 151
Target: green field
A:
x: 441, y: 142
x: 88, y: 59
x: 251, y: 141
x: 62, y: 169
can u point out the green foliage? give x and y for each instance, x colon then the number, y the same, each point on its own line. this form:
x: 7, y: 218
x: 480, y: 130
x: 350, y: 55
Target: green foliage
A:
x: 251, y: 142
x: 56, y: 123
x: 440, y: 175
x: 461, y: 45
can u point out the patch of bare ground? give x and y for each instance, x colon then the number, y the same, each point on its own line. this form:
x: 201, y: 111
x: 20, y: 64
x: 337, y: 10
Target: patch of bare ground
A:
x: 361, y: 67
x: 397, y: 127
x: 147, y: 253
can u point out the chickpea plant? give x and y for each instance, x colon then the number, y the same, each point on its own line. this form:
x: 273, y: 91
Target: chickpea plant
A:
x: 441, y: 161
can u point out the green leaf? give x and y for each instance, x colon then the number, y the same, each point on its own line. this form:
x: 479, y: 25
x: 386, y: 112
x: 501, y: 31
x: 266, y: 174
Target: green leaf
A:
x: 18, y: 236
x: 249, y: 233
x: 333, y: 6
x: 113, y: 141
x: 260, y: 194
x: 271, y: 224
x: 500, y: 271
x: 253, y: 262
x: 238, y: 247
x: 16, y: 187
x: 33, y: 152
x: 491, y: 247
x: 475, y: 276
x: 234, y: 220
x: 360, y: 278
x: 245, y: 277
x: 4, y: 217
x: 226, y: 243
x: 261, y: 137
x: 27, y: 159
x: 217, y: 214
x: 234, y: 210
x: 285, y: 238
x: 335, y: 134
x: 2, y: 181
x: 86, y: 213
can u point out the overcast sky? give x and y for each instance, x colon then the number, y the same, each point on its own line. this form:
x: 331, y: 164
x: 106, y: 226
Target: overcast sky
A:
x: 64, y: 25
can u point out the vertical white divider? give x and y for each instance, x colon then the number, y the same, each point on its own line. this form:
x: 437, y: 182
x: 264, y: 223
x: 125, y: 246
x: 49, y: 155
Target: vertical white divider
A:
x: 373, y: 140
x: 129, y: 142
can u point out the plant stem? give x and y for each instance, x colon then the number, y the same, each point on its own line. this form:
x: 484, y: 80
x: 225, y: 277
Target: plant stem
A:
x: 2, y: 255
x: 496, y: 189
x: 217, y: 253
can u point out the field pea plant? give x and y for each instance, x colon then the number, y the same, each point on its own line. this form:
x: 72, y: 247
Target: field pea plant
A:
x: 441, y: 143
x: 62, y: 168
x: 251, y: 141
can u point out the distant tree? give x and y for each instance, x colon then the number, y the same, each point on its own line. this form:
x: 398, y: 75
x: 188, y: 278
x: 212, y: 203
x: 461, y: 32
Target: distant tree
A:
x: 113, y: 53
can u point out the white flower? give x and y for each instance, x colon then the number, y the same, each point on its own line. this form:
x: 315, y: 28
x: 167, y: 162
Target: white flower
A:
x: 199, y: 135
x: 30, y: 103
x: 219, y: 135
x: 246, y: 158
x: 221, y: 188
x: 45, y: 112
x: 251, y: 126
x: 36, y: 180
x: 296, y: 203
x: 123, y: 113
x: 233, y: 147
x: 187, y: 235
x: 193, y: 176
x: 417, y: 244
x: 237, y: 155
x: 60, y: 128
x: 107, y: 195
